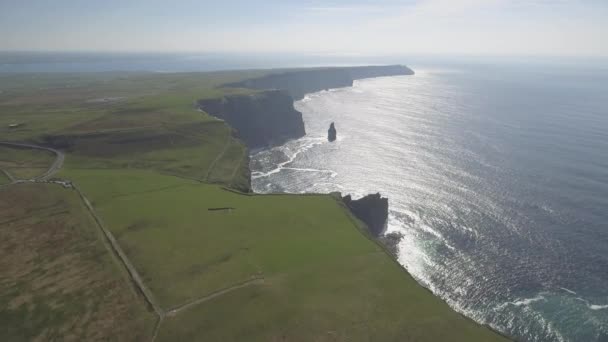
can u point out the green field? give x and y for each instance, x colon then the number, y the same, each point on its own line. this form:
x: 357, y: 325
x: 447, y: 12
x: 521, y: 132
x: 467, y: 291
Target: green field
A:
x: 59, y: 281
x: 321, y: 277
x: 254, y: 268
x: 4, y: 179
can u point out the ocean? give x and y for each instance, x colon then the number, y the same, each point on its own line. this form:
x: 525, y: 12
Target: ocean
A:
x: 497, y: 178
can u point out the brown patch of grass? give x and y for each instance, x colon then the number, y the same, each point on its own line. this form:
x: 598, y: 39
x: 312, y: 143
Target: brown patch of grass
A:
x: 119, y: 143
x: 59, y: 282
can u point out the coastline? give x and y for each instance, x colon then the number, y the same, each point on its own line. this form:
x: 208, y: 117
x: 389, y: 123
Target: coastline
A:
x: 362, y: 227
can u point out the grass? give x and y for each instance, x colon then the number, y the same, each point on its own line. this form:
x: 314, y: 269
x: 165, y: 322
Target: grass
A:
x: 135, y: 120
x: 203, y: 151
x: 323, y: 279
x: 59, y: 281
x: 25, y: 163
x: 4, y: 179
x: 67, y: 103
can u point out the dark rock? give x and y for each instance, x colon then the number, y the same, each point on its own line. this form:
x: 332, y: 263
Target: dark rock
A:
x: 372, y: 210
x: 391, y: 243
x: 331, y: 133
x: 261, y: 119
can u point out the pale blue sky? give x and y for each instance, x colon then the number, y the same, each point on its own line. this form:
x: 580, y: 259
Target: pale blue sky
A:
x: 350, y: 27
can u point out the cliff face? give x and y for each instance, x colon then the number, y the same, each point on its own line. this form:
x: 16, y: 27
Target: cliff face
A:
x: 358, y: 73
x: 301, y: 82
x: 260, y: 119
x: 372, y: 210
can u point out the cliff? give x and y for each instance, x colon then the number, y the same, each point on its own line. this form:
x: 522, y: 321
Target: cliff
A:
x: 372, y: 210
x: 298, y: 83
x: 261, y: 119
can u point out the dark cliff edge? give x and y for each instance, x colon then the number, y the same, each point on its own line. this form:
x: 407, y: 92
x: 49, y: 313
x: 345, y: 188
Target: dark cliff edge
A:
x: 268, y: 117
x: 371, y: 210
x: 298, y: 83
x: 260, y: 119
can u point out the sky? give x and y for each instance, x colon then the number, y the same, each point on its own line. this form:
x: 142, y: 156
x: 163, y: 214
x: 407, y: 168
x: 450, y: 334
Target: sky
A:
x: 348, y: 27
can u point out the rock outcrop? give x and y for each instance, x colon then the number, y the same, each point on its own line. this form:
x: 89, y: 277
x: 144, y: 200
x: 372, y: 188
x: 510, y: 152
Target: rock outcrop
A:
x: 298, y: 83
x: 331, y: 133
x: 372, y: 210
x: 260, y: 119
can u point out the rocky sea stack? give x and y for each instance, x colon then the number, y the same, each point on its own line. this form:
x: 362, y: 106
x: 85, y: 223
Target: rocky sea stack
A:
x: 372, y: 210
x: 331, y: 133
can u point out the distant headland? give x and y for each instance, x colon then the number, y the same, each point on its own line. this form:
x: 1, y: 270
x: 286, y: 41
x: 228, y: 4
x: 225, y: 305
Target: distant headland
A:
x: 267, y: 117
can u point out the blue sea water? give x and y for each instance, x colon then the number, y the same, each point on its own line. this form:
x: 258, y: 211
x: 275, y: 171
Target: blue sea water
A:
x: 497, y: 177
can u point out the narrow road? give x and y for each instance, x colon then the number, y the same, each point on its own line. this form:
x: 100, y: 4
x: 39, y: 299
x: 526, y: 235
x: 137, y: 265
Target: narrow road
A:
x: 219, y: 156
x: 8, y: 175
x: 123, y: 257
x: 57, y: 164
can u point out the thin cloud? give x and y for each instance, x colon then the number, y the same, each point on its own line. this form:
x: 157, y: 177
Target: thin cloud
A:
x: 337, y: 10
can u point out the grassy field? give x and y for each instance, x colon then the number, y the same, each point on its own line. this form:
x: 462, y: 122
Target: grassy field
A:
x: 323, y: 280
x: 24, y: 163
x: 4, y: 179
x: 135, y: 120
x: 224, y: 266
x: 56, y: 104
x: 59, y: 281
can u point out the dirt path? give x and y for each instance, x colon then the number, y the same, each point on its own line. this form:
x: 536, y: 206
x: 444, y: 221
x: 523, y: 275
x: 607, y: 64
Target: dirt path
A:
x: 176, y: 310
x: 57, y: 164
x: 8, y: 175
x: 123, y: 257
x: 219, y: 156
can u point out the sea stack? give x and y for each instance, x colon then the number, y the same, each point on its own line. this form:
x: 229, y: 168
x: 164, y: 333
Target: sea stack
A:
x: 331, y: 133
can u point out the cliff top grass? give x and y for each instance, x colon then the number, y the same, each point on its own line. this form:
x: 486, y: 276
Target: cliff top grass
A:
x: 50, y: 104
x: 233, y: 267
x: 4, y: 179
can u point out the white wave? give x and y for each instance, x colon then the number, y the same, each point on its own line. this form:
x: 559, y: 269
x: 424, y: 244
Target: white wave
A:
x: 332, y: 173
x: 592, y: 306
x: 438, y: 235
x: 327, y: 184
x: 528, y: 301
x: 281, y: 166
x: 568, y: 290
x: 598, y: 307
x: 547, y: 209
x: 522, y: 302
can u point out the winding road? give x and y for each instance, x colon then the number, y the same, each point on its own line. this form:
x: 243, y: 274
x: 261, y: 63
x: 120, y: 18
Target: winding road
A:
x: 57, y: 164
